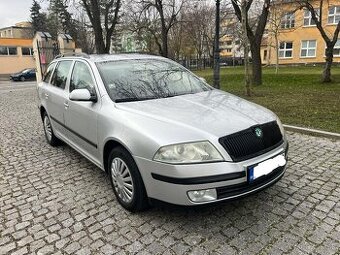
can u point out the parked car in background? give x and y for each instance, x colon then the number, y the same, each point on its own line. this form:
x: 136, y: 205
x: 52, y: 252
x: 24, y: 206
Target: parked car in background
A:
x: 24, y: 75
x: 159, y: 131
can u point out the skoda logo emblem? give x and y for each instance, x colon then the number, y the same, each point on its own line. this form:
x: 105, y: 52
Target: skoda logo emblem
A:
x: 258, y: 132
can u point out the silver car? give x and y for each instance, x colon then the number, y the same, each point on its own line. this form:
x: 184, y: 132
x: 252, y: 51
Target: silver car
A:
x: 159, y: 131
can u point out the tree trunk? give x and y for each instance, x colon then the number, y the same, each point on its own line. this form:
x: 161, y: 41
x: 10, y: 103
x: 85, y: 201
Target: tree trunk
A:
x: 326, y: 75
x: 277, y: 53
x: 256, y: 64
x: 165, y: 52
x: 100, y: 45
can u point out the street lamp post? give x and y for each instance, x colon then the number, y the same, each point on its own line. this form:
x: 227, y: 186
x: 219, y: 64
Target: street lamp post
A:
x: 217, y: 47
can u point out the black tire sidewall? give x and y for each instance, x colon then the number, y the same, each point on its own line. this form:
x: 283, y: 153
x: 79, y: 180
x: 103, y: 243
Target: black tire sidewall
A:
x: 54, y: 140
x: 139, y: 199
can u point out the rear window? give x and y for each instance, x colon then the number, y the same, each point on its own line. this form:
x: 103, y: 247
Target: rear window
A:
x: 48, y: 73
x: 60, y: 74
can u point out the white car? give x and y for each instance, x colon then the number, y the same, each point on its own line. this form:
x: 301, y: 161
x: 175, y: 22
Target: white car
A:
x: 159, y: 131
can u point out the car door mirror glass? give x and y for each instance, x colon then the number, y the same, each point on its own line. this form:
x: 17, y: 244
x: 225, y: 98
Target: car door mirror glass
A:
x: 82, y: 95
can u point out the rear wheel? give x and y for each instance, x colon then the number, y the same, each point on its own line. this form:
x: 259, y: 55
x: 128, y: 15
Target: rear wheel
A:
x: 126, y: 180
x: 50, y: 137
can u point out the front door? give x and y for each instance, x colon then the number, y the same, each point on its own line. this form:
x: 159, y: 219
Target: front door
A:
x: 81, y: 116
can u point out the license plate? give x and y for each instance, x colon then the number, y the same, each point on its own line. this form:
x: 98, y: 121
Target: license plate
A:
x: 265, y: 167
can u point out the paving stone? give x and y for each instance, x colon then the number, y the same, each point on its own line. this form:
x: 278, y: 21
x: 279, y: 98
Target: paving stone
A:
x: 54, y: 201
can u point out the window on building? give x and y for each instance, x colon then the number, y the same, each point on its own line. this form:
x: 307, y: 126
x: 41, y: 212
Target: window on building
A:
x: 27, y: 51
x: 12, y: 51
x: 336, y: 50
x: 308, y: 48
x: 307, y: 17
x: 4, y: 50
x: 286, y: 50
x: 288, y: 20
x: 334, y: 15
x: 265, y: 55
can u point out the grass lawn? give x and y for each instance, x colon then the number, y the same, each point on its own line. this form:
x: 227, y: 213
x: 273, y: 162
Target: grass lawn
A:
x: 296, y: 94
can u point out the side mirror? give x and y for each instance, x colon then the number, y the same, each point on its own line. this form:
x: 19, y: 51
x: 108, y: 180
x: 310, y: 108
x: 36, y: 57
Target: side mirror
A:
x: 82, y: 95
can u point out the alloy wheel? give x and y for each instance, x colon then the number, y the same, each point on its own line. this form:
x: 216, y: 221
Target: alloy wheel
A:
x: 122, y: 180
x: 48, y: 128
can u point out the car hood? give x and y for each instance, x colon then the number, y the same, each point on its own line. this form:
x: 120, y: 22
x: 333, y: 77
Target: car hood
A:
x: 215, y: 112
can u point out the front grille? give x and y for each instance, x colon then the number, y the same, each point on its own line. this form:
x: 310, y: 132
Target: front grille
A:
x: 239, y: 189
x: 246, y: 144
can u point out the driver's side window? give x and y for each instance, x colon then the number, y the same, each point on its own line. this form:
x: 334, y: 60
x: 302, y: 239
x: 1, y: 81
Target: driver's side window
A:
x: 81, y: 78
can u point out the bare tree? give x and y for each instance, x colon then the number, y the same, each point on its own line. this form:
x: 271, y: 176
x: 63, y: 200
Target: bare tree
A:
x: 317, y: 13
x: 168, y: 12
x: 255, y: 33
x: 245, y: 47
x: 199, y: 24
x: 104, y: 12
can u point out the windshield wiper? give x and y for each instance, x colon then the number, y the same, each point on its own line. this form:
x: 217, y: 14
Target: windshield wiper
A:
x: 133, y: 99
x: 179, y: 94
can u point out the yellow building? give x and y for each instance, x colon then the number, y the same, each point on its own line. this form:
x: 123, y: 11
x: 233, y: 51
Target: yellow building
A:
x: 19, y: 30
x: 16, y: 54
x: 299, y: 40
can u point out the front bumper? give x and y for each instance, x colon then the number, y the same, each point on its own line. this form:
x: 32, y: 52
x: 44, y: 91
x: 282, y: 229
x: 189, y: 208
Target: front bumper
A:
x: 171, y: 183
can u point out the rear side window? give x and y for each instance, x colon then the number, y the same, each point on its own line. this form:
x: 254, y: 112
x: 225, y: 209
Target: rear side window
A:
x: 60, y: 74
x: 48, y: 73
x: 81, y: 77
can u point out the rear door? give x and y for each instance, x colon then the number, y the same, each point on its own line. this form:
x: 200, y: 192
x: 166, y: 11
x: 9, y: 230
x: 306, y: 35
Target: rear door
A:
x: 55, y: 95
x: 81, y: 116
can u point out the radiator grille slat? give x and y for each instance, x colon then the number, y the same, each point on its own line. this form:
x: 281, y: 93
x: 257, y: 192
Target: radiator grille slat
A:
x: 246, y: 144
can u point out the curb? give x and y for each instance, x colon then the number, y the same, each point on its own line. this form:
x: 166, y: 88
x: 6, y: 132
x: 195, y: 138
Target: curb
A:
x: 314, y: 132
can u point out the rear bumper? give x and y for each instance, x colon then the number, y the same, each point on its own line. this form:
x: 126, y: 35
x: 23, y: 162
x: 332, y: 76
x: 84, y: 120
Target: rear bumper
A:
x: 171, y: 183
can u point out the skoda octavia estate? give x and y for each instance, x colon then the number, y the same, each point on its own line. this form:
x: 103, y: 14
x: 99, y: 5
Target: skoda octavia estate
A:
x: 159, y: 131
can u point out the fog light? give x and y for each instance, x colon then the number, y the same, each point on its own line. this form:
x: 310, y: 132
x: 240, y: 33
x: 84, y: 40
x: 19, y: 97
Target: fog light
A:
x: 202, y: 195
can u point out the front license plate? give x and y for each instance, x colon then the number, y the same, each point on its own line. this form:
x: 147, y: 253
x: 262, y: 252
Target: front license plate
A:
x: 265, y: 167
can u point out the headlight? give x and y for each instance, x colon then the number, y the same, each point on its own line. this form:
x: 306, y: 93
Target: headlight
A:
x: 195, y: 152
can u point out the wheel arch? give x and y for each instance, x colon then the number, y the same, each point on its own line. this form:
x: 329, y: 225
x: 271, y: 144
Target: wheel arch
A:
x: 109, y: 145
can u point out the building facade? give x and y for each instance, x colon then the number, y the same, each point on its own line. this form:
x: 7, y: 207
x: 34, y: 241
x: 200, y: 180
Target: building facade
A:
x: 16, y: 51
x: 299, y: 40
x: 16, y: 54
x: 19, y: 30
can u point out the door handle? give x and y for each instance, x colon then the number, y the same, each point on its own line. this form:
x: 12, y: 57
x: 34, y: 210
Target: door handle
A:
x: 66, y: 105
x: 46, y: 95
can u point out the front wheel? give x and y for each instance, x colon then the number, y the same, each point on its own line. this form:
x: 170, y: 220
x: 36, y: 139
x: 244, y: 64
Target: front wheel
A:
x: 50, y: 137
x: 126, y: 180
x: 22, y: 78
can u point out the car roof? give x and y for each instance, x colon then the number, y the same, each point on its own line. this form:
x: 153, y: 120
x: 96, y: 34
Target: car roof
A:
x: 112, y: 57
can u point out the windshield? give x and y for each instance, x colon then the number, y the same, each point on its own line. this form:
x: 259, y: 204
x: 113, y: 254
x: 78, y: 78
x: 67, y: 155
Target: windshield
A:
x: 134, y: 80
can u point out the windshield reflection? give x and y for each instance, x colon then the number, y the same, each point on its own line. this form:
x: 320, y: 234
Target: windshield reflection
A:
x: 134, y: 80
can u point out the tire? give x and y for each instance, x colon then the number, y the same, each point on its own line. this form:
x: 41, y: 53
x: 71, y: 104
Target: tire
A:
x: 126, y: 180
x: 49, y: 134
x: 22, y: 78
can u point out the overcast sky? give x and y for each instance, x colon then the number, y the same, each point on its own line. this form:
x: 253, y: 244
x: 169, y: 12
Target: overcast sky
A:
x: 14, y: 11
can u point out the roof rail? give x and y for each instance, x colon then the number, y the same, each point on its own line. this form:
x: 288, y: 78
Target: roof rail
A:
x: 138, y: 52
x: 72, y: 54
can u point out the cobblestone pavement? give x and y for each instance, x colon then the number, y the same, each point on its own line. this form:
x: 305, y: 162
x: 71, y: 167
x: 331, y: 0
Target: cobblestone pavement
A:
x: 54, y: 201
